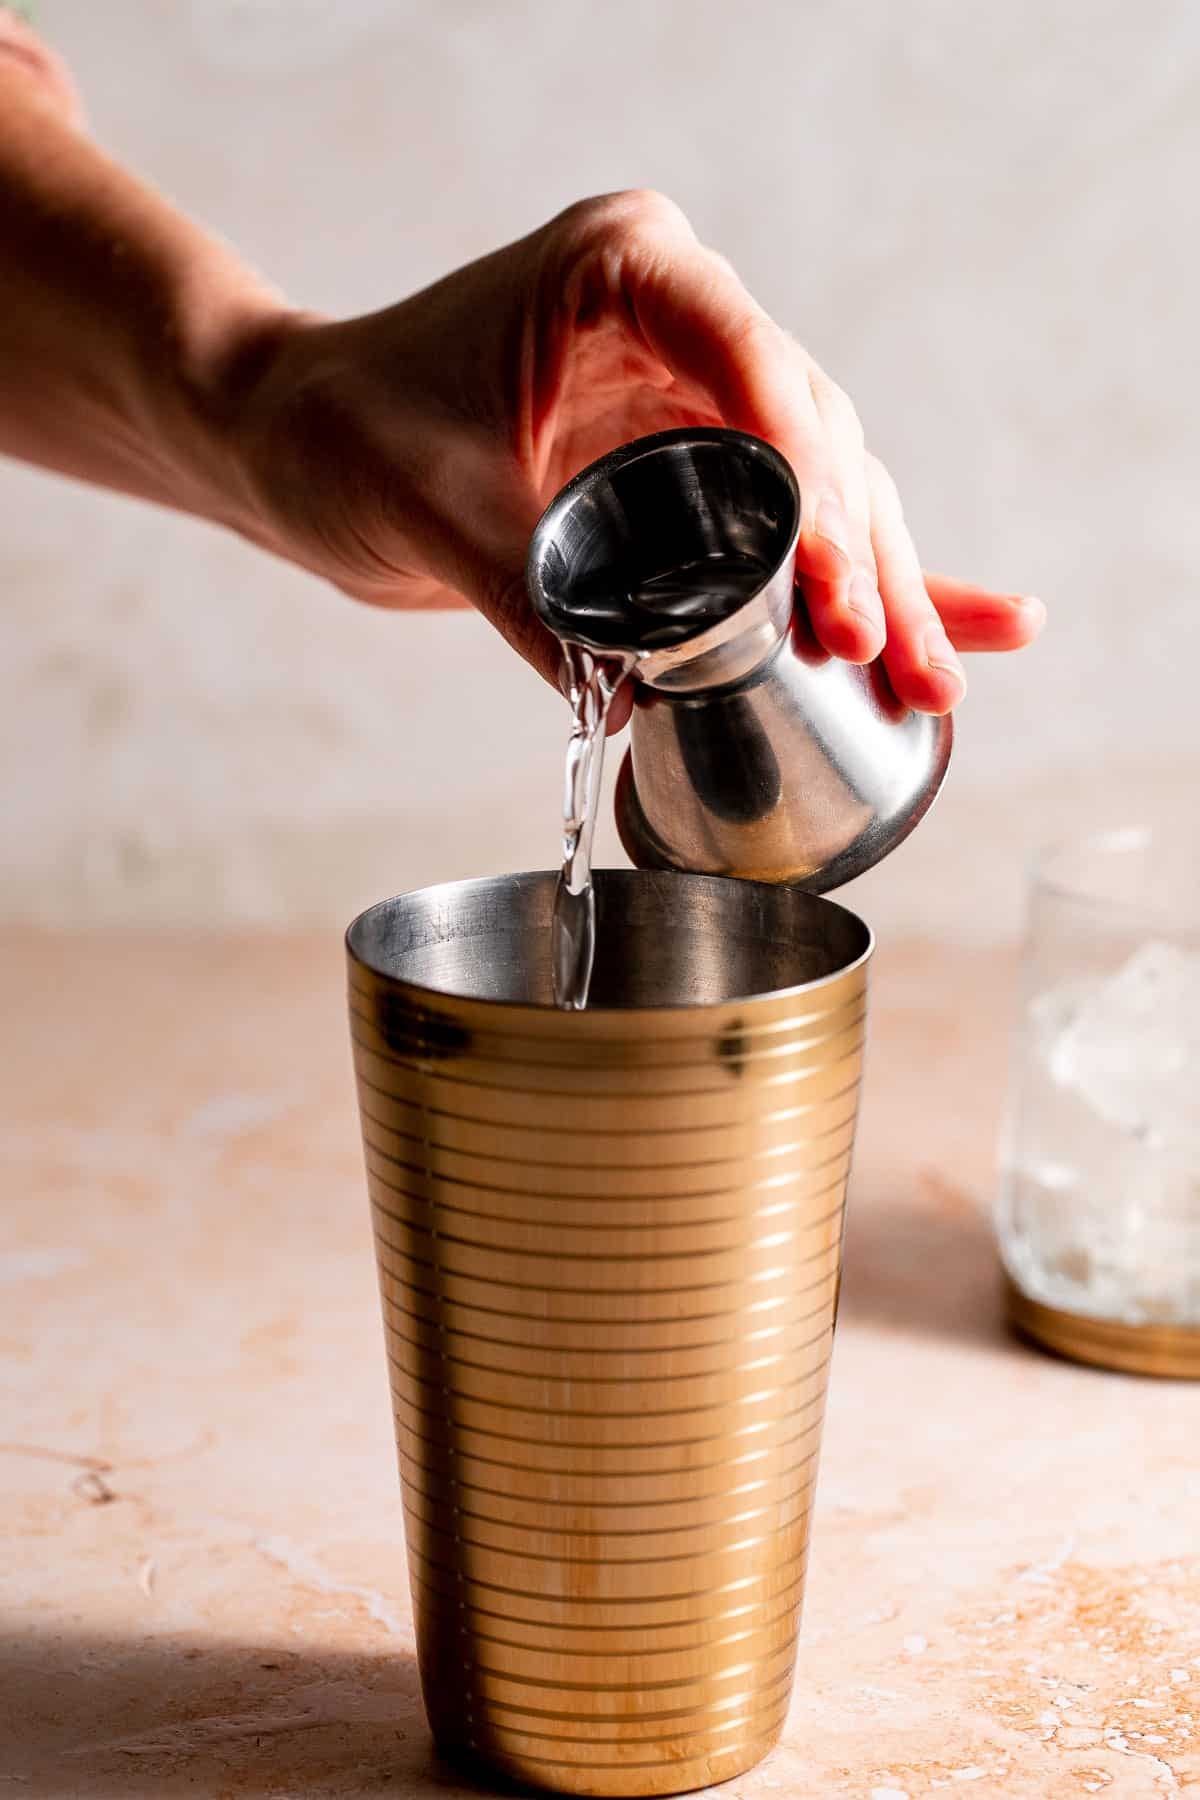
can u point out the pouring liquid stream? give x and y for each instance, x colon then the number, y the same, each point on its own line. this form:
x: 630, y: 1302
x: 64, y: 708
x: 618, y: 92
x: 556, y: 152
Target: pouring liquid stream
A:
x: 667, y: 606
x: 592, y: 681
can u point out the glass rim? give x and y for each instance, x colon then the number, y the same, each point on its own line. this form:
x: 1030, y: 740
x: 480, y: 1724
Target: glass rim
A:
x: 1106, y: 842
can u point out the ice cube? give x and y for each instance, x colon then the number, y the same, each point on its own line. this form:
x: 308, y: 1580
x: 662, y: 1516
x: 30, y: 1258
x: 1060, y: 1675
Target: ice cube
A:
x: 1053, y: 1010
x: 1131, y: 1048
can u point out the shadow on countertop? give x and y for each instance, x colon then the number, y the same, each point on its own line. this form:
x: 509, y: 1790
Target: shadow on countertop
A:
x: 116, y: 1718
x: 921, y: 1258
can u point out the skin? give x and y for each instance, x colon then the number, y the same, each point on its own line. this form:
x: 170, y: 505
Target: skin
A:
x: 405, y: 456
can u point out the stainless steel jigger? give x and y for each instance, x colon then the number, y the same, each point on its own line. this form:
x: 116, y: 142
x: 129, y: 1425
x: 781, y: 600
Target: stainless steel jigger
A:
x: 753, y: 752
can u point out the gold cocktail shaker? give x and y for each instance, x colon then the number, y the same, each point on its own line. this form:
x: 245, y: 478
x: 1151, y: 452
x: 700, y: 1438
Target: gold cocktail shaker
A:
x: 609, y: 1248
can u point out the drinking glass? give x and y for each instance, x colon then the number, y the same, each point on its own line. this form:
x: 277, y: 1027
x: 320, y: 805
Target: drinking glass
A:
x: 1099, y: 1205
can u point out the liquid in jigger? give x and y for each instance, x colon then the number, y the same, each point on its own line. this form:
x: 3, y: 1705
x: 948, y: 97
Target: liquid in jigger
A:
x: 662, y: 607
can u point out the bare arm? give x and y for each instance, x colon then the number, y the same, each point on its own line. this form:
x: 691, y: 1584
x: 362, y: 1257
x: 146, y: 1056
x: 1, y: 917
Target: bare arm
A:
x: 405, y: 456
x: 126, y: 329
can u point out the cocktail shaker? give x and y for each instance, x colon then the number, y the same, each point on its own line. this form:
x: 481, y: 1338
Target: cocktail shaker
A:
x: 753, y: 752
x: 609, y: 1251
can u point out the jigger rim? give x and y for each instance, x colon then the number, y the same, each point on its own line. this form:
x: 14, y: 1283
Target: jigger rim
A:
x: 442, y: 896
x: 759, y: 609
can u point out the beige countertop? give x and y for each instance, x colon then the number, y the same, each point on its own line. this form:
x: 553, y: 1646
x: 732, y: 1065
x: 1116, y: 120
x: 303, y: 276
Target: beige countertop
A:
x: 201, y: 1571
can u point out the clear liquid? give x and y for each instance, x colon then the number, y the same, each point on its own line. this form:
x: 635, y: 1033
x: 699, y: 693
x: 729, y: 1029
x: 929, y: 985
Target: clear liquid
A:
x: 592, y: 682
x: 657, y: 610
x: 703, y: 591
x: 661, y: 609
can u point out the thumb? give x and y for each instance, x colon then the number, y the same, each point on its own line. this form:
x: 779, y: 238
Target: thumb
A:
x: 705, y: 327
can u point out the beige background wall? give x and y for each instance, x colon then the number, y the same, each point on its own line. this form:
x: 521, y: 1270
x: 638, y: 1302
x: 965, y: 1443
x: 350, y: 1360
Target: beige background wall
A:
x: 981, y: 218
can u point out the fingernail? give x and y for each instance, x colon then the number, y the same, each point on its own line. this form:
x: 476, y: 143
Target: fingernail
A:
x: 1029, y: 603
x: 862, y: 597
x: 940, y: 653
x: 830, y: 524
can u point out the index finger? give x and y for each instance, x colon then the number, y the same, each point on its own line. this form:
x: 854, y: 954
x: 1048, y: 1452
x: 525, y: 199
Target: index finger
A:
x: 697, y: 319
x: 976, y: 618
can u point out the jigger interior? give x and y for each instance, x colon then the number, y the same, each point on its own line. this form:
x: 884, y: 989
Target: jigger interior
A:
x: 687, y: 499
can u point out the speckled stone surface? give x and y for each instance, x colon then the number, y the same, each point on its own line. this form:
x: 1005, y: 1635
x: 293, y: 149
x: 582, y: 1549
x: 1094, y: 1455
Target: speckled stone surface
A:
x: 201, y: 1570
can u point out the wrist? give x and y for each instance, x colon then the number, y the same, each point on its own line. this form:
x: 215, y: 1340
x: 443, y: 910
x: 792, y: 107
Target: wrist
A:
x: 291, y: 402
x: 221, y: 358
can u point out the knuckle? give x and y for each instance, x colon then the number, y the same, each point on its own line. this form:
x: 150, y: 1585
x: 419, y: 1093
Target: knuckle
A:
x: 883, y: 487
x: 650, y: 207
x: 820, y: 385
x: 836, y: 403
x: 721, y: 265
x: 753, y: 333
x: 628, y: 213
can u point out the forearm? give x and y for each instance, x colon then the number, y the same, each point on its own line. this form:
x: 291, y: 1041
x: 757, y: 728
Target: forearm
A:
x: 126, y: 332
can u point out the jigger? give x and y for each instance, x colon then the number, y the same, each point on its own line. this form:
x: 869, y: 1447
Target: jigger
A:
x: 753, y: 752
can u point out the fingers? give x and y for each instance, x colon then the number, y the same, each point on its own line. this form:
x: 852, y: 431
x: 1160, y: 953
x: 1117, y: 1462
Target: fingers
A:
x: 687, y: 304
x: 857, y: 568
x: 844, y: 608
x: 694, y: 315
x: 919, y: 657
x: 620, y: 708
x: 977, y: 619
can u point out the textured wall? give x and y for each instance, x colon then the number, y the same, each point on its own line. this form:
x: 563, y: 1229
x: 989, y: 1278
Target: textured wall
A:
x: 981, y: 220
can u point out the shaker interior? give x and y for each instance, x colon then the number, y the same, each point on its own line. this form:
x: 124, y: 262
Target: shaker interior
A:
x: 662, y: 939
x: 662, y: 539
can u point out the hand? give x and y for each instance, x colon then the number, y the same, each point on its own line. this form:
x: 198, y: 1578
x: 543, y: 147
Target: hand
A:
x: 407, y: 455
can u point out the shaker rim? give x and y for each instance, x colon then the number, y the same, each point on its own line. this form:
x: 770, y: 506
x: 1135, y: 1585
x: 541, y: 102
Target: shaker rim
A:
x: 421, y: 991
